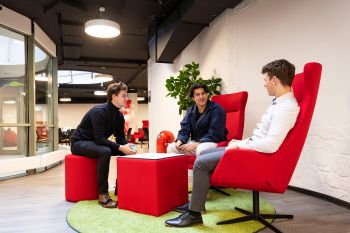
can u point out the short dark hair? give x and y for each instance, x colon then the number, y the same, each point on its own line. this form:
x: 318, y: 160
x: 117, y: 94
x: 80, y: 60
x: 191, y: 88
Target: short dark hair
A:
x: 115, y: 88
x: 282, y: 69
x: 197, y: 86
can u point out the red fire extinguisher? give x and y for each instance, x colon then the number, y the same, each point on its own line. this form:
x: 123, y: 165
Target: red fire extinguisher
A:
x: 164, y: 138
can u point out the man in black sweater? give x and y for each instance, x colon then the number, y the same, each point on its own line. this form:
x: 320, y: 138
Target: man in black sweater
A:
x: 90, y: 139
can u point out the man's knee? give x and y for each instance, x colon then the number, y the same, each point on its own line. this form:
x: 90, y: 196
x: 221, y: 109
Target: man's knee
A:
x: 106, y: 151
x: 171, y: 148
x: 200, y: 164
x: 204, y: 147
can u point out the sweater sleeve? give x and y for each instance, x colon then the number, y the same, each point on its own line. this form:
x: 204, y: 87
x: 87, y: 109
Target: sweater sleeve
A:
x: 98, y: 119
x: 119, y: 131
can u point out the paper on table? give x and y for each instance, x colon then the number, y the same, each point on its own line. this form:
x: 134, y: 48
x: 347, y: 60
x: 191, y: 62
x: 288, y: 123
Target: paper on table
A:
x: 150, y: 156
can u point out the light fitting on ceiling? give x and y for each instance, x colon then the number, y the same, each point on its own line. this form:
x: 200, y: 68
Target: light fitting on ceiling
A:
x: 65, y: 99
x: 102, y: 28
x: 42, y: 78
x: 100, y: 93
x: 10, y: 101
x: 104, y: 77
x: 140, y: 98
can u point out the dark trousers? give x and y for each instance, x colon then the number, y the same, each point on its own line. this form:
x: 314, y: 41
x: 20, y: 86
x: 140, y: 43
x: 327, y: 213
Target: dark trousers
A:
x: 102, y: 153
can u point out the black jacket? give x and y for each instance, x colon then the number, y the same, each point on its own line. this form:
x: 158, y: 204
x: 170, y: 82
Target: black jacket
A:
x: 99, y: 123
x: 210, y: 126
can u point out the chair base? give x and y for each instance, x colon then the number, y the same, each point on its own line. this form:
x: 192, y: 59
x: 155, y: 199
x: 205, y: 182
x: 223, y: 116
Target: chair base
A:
x: 256, y: 216
x: 217, y: 189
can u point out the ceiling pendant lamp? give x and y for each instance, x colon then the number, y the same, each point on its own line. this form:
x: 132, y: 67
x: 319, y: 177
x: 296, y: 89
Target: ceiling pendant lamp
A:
x: 102, y: 28
x: 103, y: 77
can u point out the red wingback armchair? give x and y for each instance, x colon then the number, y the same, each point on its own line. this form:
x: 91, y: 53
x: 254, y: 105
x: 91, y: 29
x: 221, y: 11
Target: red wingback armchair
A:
x: 234, y: 106
x: 251, y: 170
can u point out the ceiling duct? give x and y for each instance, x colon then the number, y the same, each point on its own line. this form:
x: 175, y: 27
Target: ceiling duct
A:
x: 183, y: 25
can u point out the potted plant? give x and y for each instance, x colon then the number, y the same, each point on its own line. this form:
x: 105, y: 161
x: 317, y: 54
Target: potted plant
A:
x: 178, y: 87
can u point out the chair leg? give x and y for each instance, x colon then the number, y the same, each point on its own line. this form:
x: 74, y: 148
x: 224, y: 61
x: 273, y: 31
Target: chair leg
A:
x: 276, y: 216
x: 256, y: 216
x: 237, y: 220
x: 246, y: 212
x: 267, y: 224
x: 219, y: 190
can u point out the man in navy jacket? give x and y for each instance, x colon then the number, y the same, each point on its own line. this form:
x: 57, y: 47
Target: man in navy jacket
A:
x: 203, y: 126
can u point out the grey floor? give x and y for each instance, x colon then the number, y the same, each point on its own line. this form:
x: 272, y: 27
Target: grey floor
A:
x: 36, y: 203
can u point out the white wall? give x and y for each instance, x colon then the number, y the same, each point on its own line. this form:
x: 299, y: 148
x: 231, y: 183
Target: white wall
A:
x: 70, y: 115
x: 240, y: 41
x: 138, y: 112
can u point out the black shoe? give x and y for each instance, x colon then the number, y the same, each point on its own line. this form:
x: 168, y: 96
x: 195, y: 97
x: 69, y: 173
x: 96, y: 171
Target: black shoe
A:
x: 182, y: 208
x: 184, y: 220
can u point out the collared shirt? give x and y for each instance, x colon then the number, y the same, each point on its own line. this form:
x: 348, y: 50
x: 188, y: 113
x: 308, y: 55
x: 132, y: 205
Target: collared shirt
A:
x: 274, y: 125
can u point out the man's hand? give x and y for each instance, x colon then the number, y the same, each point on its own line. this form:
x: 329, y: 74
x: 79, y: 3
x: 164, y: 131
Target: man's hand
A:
x: 233, y: 144
x: 178, y: 145
x: 126, y: 150
x: 189, y: 147
x: 232, y: 141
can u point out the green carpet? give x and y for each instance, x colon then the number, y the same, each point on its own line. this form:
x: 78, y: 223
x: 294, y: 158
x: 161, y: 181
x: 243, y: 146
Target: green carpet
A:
x: 89, y: 216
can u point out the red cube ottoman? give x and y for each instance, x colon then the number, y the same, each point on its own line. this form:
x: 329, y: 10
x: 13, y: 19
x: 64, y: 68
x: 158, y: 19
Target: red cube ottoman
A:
x: 152, y: 186
x: 80, y: 178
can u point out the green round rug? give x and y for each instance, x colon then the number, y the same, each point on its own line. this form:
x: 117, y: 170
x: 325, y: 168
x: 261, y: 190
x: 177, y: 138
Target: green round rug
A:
x: 89, y: 216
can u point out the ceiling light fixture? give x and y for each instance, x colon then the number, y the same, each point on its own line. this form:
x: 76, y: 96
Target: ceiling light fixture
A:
x: 9, y: 101
x: 104, y: 77
x: 140, y: 98
x: 102, y: 28
x: 100, y: 93
x: 41, y: 78
x: 65, y: 99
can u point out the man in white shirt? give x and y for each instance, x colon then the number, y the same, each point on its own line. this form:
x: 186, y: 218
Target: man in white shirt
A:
x: 267, y: 137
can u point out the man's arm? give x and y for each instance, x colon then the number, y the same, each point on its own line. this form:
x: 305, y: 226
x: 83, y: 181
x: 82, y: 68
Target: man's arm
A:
x: 185, y: 131
x: 98, y: 119
x: 119, y: 132
x: 281, y: 123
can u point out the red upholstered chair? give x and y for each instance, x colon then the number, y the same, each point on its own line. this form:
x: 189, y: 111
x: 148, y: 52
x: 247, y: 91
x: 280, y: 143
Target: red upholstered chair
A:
x: 145, y: 124
x: 234, y: 106
x: 80, y: 178
x: 247, y: 169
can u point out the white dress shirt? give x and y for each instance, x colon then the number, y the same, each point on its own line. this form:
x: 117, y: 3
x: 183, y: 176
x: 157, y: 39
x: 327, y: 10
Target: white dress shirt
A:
x: 274, y: 125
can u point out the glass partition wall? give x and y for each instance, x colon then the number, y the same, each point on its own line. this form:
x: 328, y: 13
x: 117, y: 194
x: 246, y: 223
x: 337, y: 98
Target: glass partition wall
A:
x: 16, y: 87
x: 43, y: 101
x: 13, y: 95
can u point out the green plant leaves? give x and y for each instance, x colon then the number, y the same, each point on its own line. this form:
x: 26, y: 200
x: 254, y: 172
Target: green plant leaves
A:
x: 178, y: 87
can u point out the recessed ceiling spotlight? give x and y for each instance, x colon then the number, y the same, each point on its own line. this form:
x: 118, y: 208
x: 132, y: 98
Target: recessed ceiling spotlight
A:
x: 10, y: 101
x: 65, y: 99
x: 100, y: 93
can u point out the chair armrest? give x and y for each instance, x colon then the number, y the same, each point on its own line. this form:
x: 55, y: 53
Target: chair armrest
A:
x: 223, y: 144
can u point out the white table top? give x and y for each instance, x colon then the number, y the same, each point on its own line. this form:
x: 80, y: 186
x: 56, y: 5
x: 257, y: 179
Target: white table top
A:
x: 150, y: 156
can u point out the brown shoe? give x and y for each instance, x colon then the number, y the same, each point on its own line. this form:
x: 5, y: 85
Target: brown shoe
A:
x: 106, y: 201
